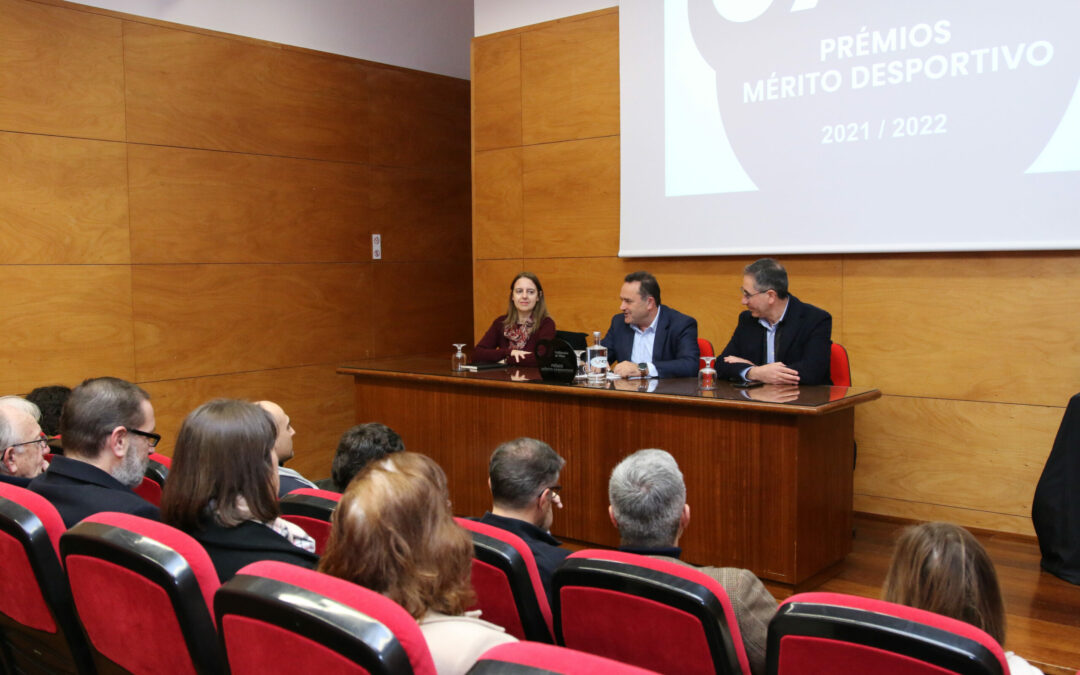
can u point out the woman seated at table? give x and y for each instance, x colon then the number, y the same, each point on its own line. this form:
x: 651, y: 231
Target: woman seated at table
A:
x: 513, y: 336
x: 942, y: 568
x: 393, y: 532
x: 223, y: 485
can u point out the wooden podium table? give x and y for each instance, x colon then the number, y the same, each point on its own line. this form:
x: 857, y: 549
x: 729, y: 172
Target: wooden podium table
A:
x: 768, y: 471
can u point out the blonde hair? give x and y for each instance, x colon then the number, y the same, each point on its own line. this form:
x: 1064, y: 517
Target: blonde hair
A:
x: 393, y: 532
x: 942, y: 568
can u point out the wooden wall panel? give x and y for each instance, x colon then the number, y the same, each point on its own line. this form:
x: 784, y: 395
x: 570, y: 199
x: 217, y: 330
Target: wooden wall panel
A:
x: 491, y: 288
x: 975, y: 327
x: 196, y: 206
x: 571, y: 199
x: 570, y: 80
x: 201, y: 91
x: 61, y: 72
x: 985, y: 458
x: 416, y: 308
x: 423, y: 113
x: 318, y: 401
x: 63, y: 324
x: 497, y: 204
x: 193, y: 320
x: 496, y: 92
x: 63, y: 200
x: 422, y: 214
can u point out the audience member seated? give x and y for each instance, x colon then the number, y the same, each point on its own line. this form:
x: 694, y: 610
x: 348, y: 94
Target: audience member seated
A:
x: 393, y: 533
x: 942, y: 568
x: 22, y: 447
x: 523, y: 475
x: 288, y: 479
x: 50, y: 400
x: 108, y: 430
x: 223, y: 485
x: 513, y: 336
x: 648, y: 507
x: 359, y: 446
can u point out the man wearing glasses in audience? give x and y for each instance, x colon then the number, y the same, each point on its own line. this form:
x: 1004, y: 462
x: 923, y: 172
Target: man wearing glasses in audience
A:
x: 779, y: 339
x: 108, y: 431
x: 24, y: 447
x: 523, y: 475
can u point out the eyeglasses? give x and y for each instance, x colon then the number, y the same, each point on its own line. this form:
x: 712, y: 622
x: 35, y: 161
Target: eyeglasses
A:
x: 747, y: 296
x: 42, y: 442
x: 154, y: 438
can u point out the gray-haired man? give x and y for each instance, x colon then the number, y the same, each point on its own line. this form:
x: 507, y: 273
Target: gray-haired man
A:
x: 648, y: 507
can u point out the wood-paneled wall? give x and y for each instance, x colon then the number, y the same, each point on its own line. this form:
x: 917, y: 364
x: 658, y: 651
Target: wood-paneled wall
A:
x: 977, y: 354
x: 193, y: 211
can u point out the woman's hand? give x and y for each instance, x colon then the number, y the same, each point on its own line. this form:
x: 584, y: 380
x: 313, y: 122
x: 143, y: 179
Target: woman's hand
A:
x: 518, y: 355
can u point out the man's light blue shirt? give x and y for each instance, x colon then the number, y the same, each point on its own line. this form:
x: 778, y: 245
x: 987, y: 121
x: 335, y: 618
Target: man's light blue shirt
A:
x: 770, y: 339
x: 643, y: 344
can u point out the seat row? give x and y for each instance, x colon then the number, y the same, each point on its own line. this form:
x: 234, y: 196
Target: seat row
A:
x: 140, y: 596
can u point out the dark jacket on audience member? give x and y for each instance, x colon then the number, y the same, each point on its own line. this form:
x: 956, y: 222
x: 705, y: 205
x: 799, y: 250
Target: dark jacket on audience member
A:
x: 544, y: 547
x: 18, y: 481
x: 231, y: 548
x: 78, y: 489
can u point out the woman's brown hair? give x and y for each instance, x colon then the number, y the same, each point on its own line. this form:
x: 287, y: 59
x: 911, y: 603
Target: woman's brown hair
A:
x: 539, y: 312
x: 393, y: 532
x: 224, y: 451
x: 942, y: 568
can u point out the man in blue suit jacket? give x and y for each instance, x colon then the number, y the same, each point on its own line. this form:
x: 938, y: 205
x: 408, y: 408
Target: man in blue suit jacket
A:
x: 649, y: 339
x: 779, y: 339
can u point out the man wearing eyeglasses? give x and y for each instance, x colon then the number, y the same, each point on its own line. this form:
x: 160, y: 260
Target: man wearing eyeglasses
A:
x: 108, y: 431
x: 24, y: 447
x: 779, y: 339
x: 523, y: 475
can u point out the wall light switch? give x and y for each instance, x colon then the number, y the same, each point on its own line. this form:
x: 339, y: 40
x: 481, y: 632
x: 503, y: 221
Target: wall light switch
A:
x: 376, y: 247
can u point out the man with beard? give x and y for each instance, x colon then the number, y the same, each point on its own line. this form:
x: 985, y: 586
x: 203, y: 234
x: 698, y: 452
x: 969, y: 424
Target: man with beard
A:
x: 108, y: 429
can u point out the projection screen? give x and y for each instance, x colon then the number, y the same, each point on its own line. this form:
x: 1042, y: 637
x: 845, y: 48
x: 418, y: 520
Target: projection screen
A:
x: 831, y: 126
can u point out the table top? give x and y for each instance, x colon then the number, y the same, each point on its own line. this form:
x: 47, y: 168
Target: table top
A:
x: 808, y: 400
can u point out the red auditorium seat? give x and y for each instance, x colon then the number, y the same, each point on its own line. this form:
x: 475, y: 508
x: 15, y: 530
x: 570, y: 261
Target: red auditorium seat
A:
x: 651, y: 613
x: 839, y: 367
x: 143, y: 591
x: 279, y: 618
x: 311, y: 509
x: 38, y: 626
x: 819, y: 633
x: 507, y: 582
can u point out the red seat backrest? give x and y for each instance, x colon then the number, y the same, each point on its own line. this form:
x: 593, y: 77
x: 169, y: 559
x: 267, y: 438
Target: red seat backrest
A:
x: 656, y: 614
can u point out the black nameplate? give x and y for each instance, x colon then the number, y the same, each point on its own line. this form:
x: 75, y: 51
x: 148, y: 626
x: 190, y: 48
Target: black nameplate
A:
x: 558, y: 362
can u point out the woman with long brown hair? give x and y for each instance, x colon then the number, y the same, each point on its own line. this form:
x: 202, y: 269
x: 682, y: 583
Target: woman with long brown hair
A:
x: 942, y: 568
x: 513, y: 336
x: 393, y: 532
x: 222, y: 489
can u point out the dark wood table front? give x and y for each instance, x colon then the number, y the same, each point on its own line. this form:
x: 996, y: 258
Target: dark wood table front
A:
x: 768, y: 471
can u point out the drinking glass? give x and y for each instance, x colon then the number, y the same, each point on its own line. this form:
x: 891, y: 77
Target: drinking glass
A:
x: 457, y: 361
x: 706, y: 377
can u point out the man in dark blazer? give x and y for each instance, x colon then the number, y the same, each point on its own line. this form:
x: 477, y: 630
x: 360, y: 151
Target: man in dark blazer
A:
x: 523, y: 475
x: 649, y: 339
x: 779, y: 339
x: 108, y: 431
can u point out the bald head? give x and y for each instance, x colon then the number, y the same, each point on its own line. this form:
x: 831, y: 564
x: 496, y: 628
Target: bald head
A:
x: 22, y: 448
x: 283, y: 446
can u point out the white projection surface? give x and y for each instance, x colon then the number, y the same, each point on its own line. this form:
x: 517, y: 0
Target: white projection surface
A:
x: 832, y: 126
